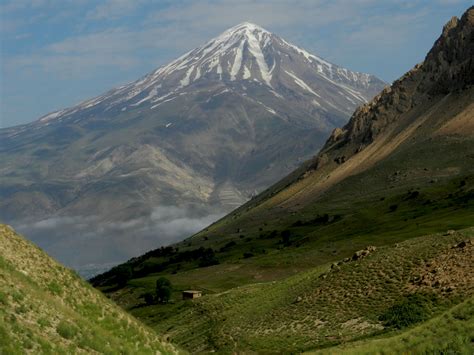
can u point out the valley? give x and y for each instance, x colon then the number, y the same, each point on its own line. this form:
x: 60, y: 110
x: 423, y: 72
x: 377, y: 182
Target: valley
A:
x: 321, y: 217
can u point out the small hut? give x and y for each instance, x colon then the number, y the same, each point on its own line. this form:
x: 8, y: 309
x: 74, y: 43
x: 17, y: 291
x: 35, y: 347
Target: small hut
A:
x: 191, y: 294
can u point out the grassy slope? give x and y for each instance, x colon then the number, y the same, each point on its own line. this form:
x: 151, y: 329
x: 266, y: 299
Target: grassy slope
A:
x: 327, y: 306
x: 451, y: 332
x: 46, y: 308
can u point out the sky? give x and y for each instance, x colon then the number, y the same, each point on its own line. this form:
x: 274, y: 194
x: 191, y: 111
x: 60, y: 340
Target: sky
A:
x: 57, y: 53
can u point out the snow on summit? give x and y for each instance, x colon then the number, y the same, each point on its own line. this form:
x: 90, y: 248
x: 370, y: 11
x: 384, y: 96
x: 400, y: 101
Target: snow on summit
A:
x: 239, y: 58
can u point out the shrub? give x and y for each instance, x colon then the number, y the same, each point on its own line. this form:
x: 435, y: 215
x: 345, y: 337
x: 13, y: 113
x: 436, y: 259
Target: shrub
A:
x: 149, y: 298
x: 410, y: 310
x: 66, y: 330
x: 54, y: 288
x: 208, y: 258
x: 43, y: 322
x: 285, y: 237
x: 247, y: 255
x: 228, y: 246
x: 3, y: 298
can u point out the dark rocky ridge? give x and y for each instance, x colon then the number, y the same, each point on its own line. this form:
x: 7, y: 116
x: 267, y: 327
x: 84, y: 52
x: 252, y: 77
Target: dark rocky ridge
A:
x: 448, y: 66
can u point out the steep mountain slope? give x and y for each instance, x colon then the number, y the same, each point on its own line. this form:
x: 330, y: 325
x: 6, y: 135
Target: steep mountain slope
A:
x: 402, y: 167
x: 207, y: 130
x: 415, y: 134
x: 46, y: 308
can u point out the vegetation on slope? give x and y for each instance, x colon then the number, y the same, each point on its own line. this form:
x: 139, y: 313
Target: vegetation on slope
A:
x: 357, y: 297
x: 449, y: 333
x: 46, y: 308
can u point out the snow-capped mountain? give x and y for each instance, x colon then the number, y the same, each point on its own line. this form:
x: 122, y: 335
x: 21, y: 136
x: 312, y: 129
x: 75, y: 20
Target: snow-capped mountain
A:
x: 244, y: 55
x: 211, y: 128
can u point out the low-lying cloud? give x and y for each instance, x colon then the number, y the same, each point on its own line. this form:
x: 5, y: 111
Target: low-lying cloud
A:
x: 90, y: 244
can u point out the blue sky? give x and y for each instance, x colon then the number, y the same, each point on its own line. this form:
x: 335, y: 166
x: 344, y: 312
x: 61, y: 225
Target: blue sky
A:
x: 56, y: 53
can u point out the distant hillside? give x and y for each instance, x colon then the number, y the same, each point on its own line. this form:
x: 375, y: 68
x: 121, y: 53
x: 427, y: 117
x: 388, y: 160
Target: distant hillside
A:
x: 47, y: 309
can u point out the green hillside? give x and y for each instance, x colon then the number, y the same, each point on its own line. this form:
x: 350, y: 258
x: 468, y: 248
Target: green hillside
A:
x: 451, y: 332
x: 47, y: 309
x: 331, y: 304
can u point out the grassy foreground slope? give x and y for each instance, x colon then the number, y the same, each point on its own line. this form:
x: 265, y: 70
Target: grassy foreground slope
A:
x: 449, y: 333
x: 46, y: 308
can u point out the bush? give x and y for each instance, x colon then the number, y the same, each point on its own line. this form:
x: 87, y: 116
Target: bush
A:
x: 285, y: 237
x: 66, y: 330
x: 208, y: 258
x: 54, y: 288
x: 410, y: 310
x: 3, y: 298
x: 227, y: 246
x: 149, y: 298
x: 43, y: 322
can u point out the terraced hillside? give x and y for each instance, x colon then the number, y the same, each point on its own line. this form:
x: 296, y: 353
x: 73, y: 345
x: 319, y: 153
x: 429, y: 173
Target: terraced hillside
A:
x: 47, y: 309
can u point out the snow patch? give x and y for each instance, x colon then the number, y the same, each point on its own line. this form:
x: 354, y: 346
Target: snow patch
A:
x: 247, y: 73
x: 150, y: 95
x: 302, y: 84
x: 237, y: 61
x: 161, y: 103
x: 185, y: 81
x: 51, y: 116
x: 256, y: 51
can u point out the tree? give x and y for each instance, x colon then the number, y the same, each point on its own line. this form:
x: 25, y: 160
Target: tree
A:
x: 123, y: 273
x: 208, y: 257
x: 163, y: 290
x: 285, y: 237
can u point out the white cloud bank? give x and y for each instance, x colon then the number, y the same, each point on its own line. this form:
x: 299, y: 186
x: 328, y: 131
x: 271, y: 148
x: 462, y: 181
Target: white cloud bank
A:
x: 88, y: 243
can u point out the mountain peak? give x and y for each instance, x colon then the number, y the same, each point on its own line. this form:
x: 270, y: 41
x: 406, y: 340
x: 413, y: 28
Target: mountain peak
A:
x: 247, y: 26
x: 242, y: 57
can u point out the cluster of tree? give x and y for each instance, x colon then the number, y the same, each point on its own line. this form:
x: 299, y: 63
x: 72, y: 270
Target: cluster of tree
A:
x: 318, y: 220
x: 162, y: 292
x: 139, y: 267
x: 228, y: 246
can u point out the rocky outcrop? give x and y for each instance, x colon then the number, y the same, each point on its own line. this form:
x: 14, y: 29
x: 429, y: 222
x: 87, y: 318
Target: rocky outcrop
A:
x: 449, y: 66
